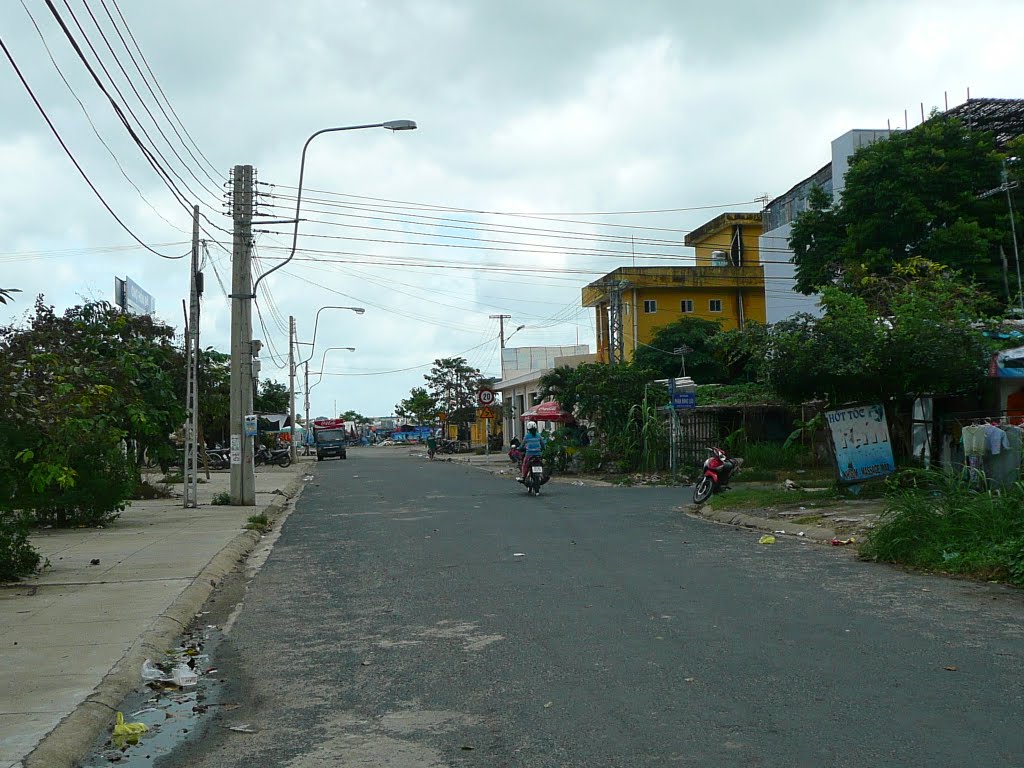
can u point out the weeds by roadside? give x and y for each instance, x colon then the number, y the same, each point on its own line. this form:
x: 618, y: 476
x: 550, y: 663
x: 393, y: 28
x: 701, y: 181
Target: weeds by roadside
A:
x: 222, y: 499
x: 935, y: 521
x: 259, y: 523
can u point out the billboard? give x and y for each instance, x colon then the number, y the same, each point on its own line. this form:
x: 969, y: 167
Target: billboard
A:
x: 130, y: 297
x: 860, y: 437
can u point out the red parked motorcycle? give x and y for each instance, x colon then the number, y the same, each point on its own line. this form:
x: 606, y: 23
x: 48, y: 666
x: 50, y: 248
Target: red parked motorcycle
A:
x: 718, y: 470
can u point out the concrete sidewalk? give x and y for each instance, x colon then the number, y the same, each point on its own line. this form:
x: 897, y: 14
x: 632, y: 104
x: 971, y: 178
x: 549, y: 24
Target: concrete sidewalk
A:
x: 73, y: 639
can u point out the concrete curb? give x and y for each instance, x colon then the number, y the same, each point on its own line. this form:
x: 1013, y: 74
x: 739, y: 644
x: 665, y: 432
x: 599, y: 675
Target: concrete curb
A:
x: 738, y: 519
x: 66, y: 744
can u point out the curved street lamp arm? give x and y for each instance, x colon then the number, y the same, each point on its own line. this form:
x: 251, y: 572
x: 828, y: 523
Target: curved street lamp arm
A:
x: 392, y: 125
x: 323, y: 359
x: 316, y: 323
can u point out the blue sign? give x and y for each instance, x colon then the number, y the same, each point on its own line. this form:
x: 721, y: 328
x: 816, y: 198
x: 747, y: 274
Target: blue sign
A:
x: 860, y: 437
x: 131, y: 298
x: 684, y: 400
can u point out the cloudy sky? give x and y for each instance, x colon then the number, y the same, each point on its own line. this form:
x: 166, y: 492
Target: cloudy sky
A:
x: 557, y: 140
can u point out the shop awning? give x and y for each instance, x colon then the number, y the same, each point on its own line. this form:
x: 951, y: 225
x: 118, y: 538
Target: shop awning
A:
x: 547, y: 411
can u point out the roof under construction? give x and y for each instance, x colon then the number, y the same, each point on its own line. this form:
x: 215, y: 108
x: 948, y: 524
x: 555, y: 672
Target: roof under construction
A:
x: 1004, y: 118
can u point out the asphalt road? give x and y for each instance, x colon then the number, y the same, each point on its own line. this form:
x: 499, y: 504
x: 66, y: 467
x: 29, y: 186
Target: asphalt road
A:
x: 431, y: 614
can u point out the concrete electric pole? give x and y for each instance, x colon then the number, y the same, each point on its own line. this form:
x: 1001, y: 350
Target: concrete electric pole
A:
x: 243, y: 474
x: 501, y: 326
x: 291, y: 385
x: 191, y: 479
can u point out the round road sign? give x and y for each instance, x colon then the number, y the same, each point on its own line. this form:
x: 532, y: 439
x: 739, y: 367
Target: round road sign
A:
x: 485, y: 397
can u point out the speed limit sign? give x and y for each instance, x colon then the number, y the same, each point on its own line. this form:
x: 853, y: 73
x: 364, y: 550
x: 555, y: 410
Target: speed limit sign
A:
x: 485, y: 397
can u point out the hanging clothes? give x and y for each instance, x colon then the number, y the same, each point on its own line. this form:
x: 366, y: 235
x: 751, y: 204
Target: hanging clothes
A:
x: 1004, y: 465
x: 973, y: 438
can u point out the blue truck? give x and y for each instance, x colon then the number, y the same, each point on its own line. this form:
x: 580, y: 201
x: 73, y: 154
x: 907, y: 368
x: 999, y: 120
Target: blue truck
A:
x: 330, y: 441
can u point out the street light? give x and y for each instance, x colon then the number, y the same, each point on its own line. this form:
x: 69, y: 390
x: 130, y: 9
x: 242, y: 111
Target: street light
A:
x: 243, y: 480
x: 391, y: 125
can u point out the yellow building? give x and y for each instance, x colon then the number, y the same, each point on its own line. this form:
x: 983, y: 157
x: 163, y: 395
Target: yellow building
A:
x: 725, y: 285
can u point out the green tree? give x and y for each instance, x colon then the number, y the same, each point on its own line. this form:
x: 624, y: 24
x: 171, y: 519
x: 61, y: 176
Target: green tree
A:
x: 615, y: 399
x: 74, y: 391
x: 214, y: 386
x: 5, y: 294
x: 453, y: 383
x: 928, y: 344
x: 915, y: 194
x: 273, y: 397
x: 702, y: 364
x: 419, y: 407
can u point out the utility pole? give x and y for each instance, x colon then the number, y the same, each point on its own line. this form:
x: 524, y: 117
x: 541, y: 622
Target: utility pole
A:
x: 682, y: 351
x: 616, y: 345
x: 306, y: 425
x: 1006, y: 186
x: 243, y: 474
x: 291, y: 384
x: 501, y: 326
x: 192, y: 360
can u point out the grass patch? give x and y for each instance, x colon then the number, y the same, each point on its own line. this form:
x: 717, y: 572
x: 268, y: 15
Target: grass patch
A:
x: 760, y: 498
x: 222, y: 499
x: 808, y: 520
x: 259, y: 523
x: 936, y: 522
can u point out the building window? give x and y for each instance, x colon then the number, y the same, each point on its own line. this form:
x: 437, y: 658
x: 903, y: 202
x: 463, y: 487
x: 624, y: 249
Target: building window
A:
x: 715, y: 305
x: 686, y: 305
x: 650, y: 306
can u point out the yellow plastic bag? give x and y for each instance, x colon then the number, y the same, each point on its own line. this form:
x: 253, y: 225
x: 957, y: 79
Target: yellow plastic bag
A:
x: 766, y: 540
x: 127, y: 733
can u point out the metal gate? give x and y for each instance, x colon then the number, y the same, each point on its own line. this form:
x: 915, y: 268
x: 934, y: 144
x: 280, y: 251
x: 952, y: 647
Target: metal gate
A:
x: 695, y: 432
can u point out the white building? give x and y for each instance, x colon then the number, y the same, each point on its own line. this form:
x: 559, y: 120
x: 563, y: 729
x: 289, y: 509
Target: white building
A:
x: 521, y: 371
x: 781, y: 299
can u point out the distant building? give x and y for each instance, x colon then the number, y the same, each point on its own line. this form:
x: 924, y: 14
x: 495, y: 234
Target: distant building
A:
x: 521, y: 371
x: 1004, y: 118
x: 726, y: 284
x: 782, y: 300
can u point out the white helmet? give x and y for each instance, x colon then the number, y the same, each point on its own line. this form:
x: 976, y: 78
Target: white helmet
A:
x: 531, y: 425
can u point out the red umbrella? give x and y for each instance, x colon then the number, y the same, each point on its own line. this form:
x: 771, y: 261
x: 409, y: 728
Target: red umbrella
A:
x: 547, y: 411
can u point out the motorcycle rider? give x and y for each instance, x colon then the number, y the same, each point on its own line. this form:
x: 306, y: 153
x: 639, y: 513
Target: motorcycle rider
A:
x: 532, y: 445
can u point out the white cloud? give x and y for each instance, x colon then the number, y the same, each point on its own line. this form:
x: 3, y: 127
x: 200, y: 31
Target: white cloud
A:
x: 526, y: 107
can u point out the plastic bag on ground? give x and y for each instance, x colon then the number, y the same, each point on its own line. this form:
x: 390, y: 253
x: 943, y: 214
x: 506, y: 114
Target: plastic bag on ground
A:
x: 127, y: 733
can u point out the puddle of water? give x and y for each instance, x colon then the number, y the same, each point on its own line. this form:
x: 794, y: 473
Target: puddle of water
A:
x: 170, y: 716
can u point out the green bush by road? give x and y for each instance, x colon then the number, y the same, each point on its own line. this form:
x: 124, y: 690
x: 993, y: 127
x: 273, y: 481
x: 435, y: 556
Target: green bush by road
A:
x: 935, y: 521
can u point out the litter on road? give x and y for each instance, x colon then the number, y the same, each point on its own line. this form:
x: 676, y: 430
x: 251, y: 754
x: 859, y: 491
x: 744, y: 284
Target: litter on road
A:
x: 766, y: 540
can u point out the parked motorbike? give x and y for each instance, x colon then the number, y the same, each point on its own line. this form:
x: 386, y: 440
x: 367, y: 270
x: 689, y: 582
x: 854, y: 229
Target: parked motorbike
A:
x: 535, y: 475
x: 515, y: 455
x: 717, y: 471
x: 280, y: 456
x: 219, y: 458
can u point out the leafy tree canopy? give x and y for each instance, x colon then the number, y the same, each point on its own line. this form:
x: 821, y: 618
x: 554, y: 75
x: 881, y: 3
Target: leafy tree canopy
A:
x: 928, y: 345
x: 419, y: 407
x: 273, y: 397
x: 453, y: 383
x: 72, y: 387
x: 701, y: 362
x: 913, y: 195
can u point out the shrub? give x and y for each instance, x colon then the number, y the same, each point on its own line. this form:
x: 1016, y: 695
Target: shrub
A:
x: 936, y: 521
x: 18, y: 557
x: 590, y: 459
x: 222, y: 499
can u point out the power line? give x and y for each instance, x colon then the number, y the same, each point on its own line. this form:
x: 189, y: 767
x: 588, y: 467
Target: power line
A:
x: 92, y: 125
x: 539, y: 216
x: 174, y: 127
x: 157, y: 84
x: 142, y: 101
x: 74, y: 161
